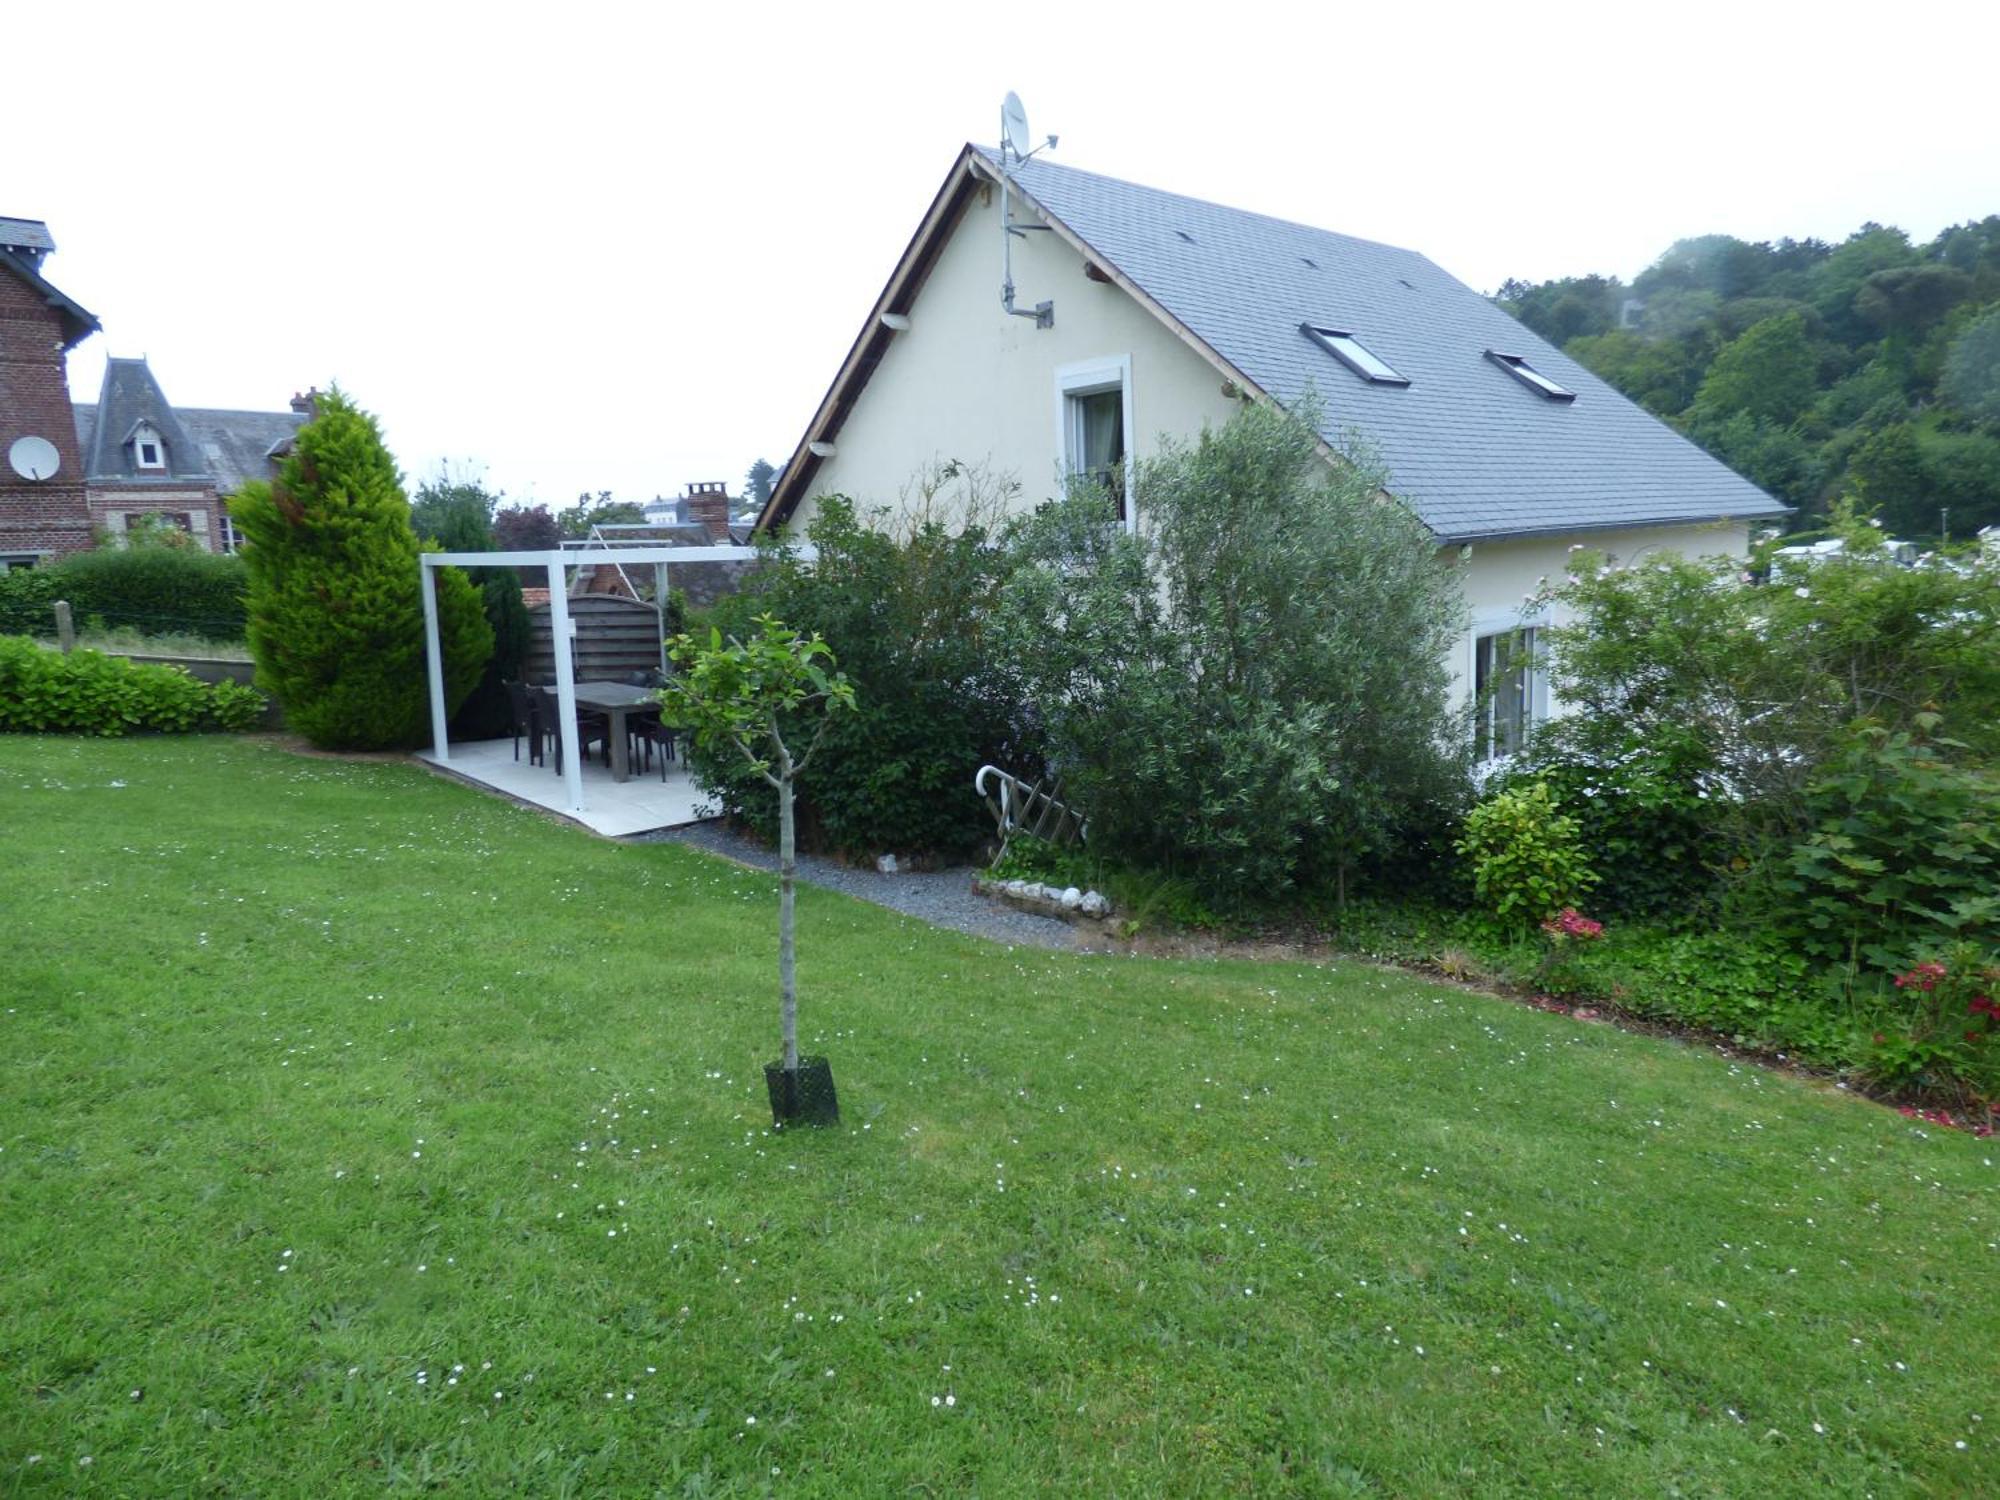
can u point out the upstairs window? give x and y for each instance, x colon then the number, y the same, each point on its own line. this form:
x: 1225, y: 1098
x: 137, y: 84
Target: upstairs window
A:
x: 1529, y: 376
x: 1357, y: 356
x: 1094, y: 409
x: 148, y: 450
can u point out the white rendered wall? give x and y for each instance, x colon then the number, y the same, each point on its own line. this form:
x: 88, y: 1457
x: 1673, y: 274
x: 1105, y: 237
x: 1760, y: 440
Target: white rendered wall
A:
x: 1501, y: 576
x: 967, y: 382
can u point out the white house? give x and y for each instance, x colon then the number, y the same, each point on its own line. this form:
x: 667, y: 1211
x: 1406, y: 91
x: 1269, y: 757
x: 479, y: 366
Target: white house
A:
x: 1169, y: 311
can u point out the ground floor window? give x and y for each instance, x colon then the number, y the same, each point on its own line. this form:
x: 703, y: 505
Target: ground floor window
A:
x: 1094, y: 416
x: 1506, y: 691
x: 13, y: 561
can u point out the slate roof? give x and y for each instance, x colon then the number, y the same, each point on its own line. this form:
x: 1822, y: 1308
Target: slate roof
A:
x: 241, y: 445
x: 1472, y: 449
x: 25, y: 234
x: 130, y: 395
x: 222, y: 447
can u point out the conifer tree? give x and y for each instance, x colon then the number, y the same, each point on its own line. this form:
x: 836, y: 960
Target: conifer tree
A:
x: 336, y: 618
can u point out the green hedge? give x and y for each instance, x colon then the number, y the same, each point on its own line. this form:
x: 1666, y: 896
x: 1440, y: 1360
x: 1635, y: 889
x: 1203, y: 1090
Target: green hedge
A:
x: 158, y: 590
x: 87, y: 692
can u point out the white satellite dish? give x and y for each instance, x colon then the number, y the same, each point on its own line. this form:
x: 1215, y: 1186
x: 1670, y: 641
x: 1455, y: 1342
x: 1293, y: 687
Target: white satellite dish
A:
x: 1014, y: 123
x: 34, y: 458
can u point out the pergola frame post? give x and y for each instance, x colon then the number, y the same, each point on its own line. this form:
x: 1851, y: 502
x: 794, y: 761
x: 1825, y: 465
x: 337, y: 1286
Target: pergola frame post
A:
x: 434, y: 662
x: 561, y: 626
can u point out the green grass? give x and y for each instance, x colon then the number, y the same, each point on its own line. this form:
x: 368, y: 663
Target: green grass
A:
x: 318, y: 1075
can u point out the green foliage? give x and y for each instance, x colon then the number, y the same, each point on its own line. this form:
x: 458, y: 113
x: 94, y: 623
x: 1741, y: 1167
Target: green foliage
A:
x: 1972, y: 369
x: 1527, y: 858
x: 1769, y: 372
x: 1784, y: 359
x: 335, y: 614
x: 1940, y: 1021
x: 1642, y: 808
x: 1769, y: 676
x: 907, y: 608
x: 87, y: 692
x: 156, y: 590
x: 1903, y: 856
x: 455, y: 514
x: 757, y: 483
x: 600, y: 509
x: 1250, y: 692
x: 751, y: 696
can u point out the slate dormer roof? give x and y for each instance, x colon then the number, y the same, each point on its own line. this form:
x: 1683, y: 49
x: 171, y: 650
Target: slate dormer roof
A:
x: 204, y: 445
x: 1470, y: 444
x: 129, y: 399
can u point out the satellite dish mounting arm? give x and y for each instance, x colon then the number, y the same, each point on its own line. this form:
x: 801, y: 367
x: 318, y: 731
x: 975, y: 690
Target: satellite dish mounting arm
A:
x: 1014, y: 149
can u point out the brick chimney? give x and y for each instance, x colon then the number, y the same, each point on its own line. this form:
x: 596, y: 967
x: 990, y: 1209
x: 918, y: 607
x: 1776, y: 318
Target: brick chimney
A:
x: 708, y: 504
x: 306, y: 405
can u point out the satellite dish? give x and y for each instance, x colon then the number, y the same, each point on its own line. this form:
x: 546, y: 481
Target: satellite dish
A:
x: 1014, y: 122
x: 34, y: 458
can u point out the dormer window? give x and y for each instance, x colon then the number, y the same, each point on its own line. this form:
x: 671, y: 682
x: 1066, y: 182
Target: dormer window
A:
x: 147, y: 449
x: 1357, y: 356
x: 1529, y: 376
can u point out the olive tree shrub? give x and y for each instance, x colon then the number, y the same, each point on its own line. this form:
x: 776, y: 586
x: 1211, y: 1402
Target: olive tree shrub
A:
x: 1251, y: 691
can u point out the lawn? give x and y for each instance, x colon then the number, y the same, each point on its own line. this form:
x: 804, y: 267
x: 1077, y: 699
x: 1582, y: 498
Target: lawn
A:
x: 361, y: 1133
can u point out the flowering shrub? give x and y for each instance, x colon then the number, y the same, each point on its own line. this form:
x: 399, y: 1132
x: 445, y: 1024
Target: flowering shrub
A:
x: 1571, y: 923
x: 1936, y: 1040
x: 1527, y: 859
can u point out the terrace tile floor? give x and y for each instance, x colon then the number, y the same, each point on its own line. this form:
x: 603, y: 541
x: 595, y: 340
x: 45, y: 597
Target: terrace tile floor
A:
x: 615, y: 809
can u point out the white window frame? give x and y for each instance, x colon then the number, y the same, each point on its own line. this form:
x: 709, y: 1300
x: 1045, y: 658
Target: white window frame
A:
x: 1484, y: 627
x: 9, y: 561
x: 142, y: 439
x: 1092, y: 378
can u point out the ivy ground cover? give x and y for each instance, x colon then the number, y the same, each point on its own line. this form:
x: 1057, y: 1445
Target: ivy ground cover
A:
x: 361, y: 1134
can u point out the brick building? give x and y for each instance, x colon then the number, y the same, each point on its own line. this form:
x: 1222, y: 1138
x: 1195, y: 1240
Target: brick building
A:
x: 144, y: 456
x: 44, y: 507
x: 71, y: 474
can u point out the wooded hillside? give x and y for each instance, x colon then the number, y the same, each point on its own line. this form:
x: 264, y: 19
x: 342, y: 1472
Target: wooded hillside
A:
x: 1868, y: 368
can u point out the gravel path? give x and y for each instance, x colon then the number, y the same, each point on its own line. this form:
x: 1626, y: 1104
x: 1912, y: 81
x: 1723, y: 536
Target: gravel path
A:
x: 943, y: 898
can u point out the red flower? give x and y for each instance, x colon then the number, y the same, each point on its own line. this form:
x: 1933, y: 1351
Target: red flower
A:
x: 1924, y: 976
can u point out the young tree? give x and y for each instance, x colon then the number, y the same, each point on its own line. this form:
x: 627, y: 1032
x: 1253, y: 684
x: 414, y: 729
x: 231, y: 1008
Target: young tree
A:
x: 335, y: 614
x: 757, y: 483
x: 749, y: 696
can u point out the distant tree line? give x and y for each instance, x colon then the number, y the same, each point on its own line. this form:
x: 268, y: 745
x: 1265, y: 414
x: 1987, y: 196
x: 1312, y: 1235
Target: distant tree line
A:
x: 1870, y: 368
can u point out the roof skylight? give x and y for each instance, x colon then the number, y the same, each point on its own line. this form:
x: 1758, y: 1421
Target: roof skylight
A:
x: 1356, y: 355
x: 1529, y: 376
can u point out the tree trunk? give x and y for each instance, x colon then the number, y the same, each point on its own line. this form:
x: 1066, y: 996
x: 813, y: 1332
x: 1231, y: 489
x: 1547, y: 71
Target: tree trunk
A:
x: 788, y: 994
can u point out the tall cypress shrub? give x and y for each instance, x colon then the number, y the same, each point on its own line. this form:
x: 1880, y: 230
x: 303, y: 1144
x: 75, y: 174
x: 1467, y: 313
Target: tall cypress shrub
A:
x: 336, y: 620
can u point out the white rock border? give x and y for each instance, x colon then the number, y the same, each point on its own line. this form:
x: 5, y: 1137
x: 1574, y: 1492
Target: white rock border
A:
x: 1067, y: 903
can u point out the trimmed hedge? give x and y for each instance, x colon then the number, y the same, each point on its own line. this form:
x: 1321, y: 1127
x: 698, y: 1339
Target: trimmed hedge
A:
x: 87, y: 692
x: 157, y: 590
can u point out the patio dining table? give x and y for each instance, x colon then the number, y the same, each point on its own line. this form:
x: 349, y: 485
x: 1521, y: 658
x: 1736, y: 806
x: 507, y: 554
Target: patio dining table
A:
x: 617, y: 700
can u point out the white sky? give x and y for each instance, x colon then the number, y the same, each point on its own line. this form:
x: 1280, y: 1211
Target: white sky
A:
x: 625, y: 247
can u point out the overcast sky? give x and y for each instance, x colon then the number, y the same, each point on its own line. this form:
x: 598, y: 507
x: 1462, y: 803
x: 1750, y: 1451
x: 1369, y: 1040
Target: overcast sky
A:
x: 582, y: 246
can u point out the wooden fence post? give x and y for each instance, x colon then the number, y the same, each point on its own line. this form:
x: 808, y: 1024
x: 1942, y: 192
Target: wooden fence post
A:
x: 65, y: 627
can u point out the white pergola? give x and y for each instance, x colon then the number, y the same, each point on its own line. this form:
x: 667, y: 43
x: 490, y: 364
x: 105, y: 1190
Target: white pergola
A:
x: 562, y: 626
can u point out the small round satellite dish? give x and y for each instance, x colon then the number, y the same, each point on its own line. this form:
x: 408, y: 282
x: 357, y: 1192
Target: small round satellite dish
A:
x: 34, y: 458
x: 1014, y: 120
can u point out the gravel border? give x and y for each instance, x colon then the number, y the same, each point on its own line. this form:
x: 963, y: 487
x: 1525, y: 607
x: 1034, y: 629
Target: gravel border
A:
x: 943, y: 898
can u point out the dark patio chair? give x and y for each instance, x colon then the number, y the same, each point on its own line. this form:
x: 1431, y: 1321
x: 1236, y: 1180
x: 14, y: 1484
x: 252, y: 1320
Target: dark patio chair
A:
x: 649, y: 731
x: 526, y: 721
x: 589, y: 726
